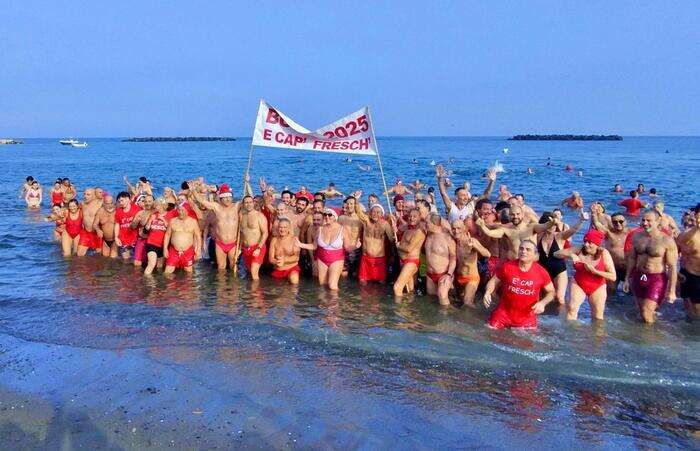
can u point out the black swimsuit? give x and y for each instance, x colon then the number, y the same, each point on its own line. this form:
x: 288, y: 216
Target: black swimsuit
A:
x: 552, y: 264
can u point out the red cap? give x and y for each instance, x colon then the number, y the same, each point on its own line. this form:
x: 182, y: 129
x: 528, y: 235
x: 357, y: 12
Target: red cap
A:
x: 224, y: 189
x: 397, y: 198
x: 594, y: 236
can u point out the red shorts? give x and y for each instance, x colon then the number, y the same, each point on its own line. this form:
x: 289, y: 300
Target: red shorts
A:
x: 493, y: 263
x: 284, y: 273
x: 90, y: 239
x: 139, y: 249
x: 650, y: 286
x: 249, y: 258
x: 500, y: 319
x: 180, y: 259
x: 372, y: 269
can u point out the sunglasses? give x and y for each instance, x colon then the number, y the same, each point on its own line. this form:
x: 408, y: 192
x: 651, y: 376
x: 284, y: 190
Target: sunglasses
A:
x: 327, y: 215
x: 619, y: 221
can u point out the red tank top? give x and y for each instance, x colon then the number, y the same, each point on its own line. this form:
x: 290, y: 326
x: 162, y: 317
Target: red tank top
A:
x: 157, y: 233
x: 56, y: 198
x: 73, y: 226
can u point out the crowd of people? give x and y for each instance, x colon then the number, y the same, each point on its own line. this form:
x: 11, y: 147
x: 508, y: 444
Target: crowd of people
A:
x: 490, y: 248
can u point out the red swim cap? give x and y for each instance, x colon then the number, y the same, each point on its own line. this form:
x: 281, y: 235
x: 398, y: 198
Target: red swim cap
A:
x: 224, y: 188
x: 594, y: 236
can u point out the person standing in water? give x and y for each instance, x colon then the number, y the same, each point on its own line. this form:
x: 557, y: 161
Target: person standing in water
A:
x: 689, y: 276
x: 651, y: 267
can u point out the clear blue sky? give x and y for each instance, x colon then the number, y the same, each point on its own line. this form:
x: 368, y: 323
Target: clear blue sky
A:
x: 133, y: 68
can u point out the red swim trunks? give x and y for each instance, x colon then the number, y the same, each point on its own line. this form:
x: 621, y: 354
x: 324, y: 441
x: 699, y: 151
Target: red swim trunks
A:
x: 650, y: 286
x: 90, y: 240
x: 435, y: 277
x: 139, y: 249
x: 415, y: 261
x: 500, y: 319
x: 225, y: 247
x: 284, y: 273
x: 249, y: 258
x: 180, y: 259
x: 372, y: 269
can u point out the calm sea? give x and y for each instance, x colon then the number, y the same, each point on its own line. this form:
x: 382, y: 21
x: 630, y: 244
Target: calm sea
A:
x: 356, y: 369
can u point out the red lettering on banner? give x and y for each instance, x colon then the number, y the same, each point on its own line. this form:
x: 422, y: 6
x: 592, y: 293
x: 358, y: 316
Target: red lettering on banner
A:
x: 364, y: 144
x: 274, y: 118
x: 267, y: 134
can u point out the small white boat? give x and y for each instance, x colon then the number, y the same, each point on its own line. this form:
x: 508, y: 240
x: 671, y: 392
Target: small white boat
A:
x: 68, y: 142
x: 79, y: 144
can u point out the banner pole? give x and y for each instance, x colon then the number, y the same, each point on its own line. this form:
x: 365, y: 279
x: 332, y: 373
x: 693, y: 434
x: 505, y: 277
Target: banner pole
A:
x: 379, y: 162
x: 245, y: 175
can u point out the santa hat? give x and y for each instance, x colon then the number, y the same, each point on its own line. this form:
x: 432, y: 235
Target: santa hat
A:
x: 225, y: 191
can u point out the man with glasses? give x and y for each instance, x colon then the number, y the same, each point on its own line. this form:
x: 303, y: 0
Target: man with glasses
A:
x: 615, y: 237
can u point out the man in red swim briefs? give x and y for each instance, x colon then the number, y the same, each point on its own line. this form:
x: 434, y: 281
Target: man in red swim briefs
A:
x: 88, y: 235
x: 375, y: 232
x: 440, y: 259
x: 651, y: 267
x: 409, y: 248
x: 225, y: 225
x: 521, y: 281
x: 254, y: 232
x: 182, y: 242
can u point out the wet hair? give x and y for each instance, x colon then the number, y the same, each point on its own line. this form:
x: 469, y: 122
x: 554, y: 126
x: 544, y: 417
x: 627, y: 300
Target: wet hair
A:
x: 143, y: 179
x: 287, y: 192
x: 123, y: 194
x: 480, y: 203
x: 29, y: 179
x: 320, y: 194
x: 373, y: 195
x: 184, y: 185
x: 696, y: 210
x: 72, y: 201
x: 349, y: 198
x: 634, y: 193
x: 247, y: 196
x: 431, y: 189
x: 423, y: 202
x: 461, y: 188
x: 331, y: 184
x: 546, y: 216
x: 502, y: 205
x: 303, y: 199
x: 652, y: 191
x: 520, y: 195
x: 323, y: 202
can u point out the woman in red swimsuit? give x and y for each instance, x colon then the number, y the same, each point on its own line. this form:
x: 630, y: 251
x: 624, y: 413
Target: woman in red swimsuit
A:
x: 593, y: 265
x: 330, y: 245
x: 73, y: 225
x: 156, y: 225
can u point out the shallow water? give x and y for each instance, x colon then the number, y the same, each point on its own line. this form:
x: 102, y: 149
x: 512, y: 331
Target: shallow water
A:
x: 359, y: 362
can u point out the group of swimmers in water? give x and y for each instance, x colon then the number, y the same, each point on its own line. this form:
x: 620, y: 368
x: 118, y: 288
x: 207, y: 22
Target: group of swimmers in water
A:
x: 497, y: 246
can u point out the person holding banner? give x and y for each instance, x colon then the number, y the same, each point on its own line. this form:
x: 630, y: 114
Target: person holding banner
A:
x: 330, y: 245
x: 409, y: 249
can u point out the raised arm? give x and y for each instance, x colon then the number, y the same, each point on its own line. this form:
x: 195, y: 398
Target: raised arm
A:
x: 197, y: 196
x: 491, y: 175
x: 571, y: 231
x: 480, y: 249
x: 568, y: 253
x: 129, y: 187
x: 440, y: 175
x: 493, y: 233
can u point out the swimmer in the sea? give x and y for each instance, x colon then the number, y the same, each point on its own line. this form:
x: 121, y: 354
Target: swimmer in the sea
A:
x: 182, y: 242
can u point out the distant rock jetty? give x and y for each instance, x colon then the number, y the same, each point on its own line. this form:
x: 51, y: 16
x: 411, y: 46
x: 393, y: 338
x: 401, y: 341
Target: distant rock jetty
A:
x: 9, y: 141
x: 182, y: 139
x: 566, y: 138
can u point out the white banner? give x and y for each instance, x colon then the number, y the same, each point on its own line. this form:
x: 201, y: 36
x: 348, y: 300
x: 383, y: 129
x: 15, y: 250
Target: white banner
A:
x: 351, y: 134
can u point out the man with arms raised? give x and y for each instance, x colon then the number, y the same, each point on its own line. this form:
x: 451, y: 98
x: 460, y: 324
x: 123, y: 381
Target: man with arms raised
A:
x: 103, y: 225
x: 440, y: 259
x: 253, y: 237
x: 521, y: 281
x: 689, y: 247
x: 225, y: 225
x: 510, y: 235
x: 666, y: 222
x: 88, y: 236
x: 651, y: 267
x: 375, y: 231
x: 463, y: 205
